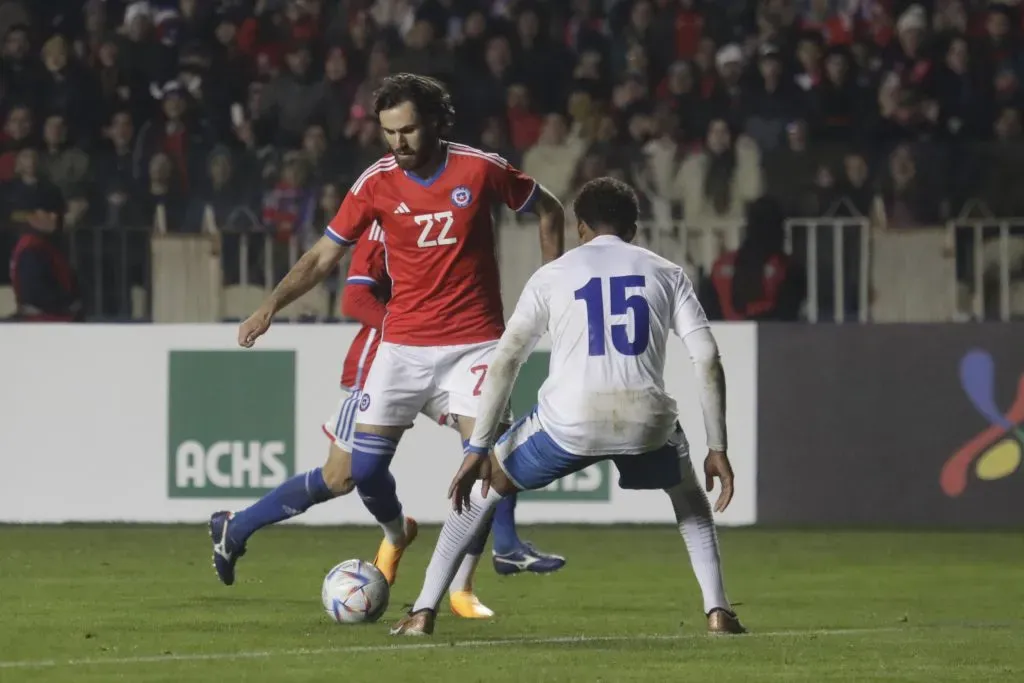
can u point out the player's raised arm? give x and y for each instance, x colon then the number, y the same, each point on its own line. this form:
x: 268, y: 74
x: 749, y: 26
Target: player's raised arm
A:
x: 524, y: 330
x: 691, y: 324
x: 551, y: 219
x: 523, y: 194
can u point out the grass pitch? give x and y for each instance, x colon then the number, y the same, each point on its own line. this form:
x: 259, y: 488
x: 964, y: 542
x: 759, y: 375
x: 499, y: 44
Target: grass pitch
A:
x: 140, y: 604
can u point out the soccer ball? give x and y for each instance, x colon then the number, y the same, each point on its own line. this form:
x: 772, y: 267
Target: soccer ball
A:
x: 355, y: 592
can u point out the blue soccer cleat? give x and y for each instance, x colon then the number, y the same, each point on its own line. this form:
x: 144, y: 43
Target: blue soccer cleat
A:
x: 225, y: 551
x: 526, y: 558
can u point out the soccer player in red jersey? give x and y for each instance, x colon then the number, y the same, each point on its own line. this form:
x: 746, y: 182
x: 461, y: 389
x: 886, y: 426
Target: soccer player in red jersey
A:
x: 433, y: 200
x: 366, y: 292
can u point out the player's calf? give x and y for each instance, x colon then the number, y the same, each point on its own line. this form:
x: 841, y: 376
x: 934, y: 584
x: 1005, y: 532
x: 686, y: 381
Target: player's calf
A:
x: 337, y: 472
x: 229, y: 532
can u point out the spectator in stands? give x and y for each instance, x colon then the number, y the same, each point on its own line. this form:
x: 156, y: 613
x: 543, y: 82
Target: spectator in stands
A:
x: 113, y: 80
x: 809, y: 52
x: 363, y: 146
x: 905, y: 199
x: 290, y: 100
x: 962, y: 97
x: 797, y: 172
x: 716, y: 183
x: 288, y: 207
x: 45, y: 286
x: 114, y: 176
x: 175, y: 132
x: 853, y: 193
x: 64, y: 164
x: 552, y: 161
x: 680, y: 91
x: 67, y: 89
x: 424, y: 54
x: 494, y: 138
x: 524, y: 123
x: 1001, y: 166
x: 758, y: 281
x: 337, y: 92
x: 19, y: 73
x: 838, y: 102
x: 321, y: 163
x: 162, y: 204
x: 773, y: 103
x: 16, y: 136
x: 726, y: 97
x: 542, y: 66
x: 223, y: 204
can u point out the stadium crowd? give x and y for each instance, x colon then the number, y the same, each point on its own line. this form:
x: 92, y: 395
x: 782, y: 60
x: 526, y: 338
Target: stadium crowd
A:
x: 258, y: 114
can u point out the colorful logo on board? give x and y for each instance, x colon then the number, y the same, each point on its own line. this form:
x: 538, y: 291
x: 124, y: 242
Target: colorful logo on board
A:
x: 995, y: 452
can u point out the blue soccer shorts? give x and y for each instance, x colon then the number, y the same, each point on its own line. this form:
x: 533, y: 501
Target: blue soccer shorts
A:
x: 532, y: 459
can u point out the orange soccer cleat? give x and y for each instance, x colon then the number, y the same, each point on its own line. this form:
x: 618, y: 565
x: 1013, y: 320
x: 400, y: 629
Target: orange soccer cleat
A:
x: 389, y: 554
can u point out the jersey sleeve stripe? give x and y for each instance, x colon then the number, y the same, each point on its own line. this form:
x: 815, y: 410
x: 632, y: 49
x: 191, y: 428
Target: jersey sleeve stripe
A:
x: 470, y: 152
x: 360, y: 280
x: 379, y: 167
x: 531, y: 199
x: 335, y: 237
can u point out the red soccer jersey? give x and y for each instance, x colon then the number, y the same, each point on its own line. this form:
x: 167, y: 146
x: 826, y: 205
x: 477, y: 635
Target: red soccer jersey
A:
x: 367, y: 268
x: 440, y: 244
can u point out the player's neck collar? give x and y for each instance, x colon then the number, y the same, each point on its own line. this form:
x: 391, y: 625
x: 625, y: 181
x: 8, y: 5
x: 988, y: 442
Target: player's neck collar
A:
x: 427, y: 182
x: 604, y: 237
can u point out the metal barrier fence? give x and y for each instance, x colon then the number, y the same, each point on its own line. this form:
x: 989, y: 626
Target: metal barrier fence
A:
x: 981, y: 246
x: 836, y: 260
x: 116, y: 263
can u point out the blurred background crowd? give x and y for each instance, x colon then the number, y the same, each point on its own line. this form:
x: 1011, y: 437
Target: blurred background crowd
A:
x: 254, y: 116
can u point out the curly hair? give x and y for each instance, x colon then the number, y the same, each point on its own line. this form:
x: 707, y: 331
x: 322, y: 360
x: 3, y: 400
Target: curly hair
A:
x: 608, y: 202
x: 429, y: 96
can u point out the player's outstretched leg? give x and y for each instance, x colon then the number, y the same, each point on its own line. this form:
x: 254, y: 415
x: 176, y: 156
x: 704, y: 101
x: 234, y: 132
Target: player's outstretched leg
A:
x: 457, y: 534
x: 697, y: 527
x: 371, y: 462
x: 230, y: 531
x: 512, y: 555
x: 464, y: 602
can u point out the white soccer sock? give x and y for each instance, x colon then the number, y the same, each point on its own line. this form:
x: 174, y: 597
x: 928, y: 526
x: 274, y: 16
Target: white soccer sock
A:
x: 697, y: 527
x: 463, y: 580
x: 456, y: 535
x: 394, y: 530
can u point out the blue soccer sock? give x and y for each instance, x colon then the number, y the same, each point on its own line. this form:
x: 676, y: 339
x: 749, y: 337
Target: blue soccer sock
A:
x: 506, y: 540
x: 291, y: 498
x: 371, y: 462
x: 477, y: 545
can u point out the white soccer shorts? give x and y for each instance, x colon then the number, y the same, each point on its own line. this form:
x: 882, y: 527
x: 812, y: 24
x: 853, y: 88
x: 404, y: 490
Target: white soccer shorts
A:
x: 404, y: 379
x: 341, y: 425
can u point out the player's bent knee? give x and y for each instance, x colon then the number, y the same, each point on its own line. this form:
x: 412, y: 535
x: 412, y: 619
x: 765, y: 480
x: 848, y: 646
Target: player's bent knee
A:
x: 500, y: 482
x: 337, y: 472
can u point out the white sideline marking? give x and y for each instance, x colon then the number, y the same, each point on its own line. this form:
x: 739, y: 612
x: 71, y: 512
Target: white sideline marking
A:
x: 434, y: 645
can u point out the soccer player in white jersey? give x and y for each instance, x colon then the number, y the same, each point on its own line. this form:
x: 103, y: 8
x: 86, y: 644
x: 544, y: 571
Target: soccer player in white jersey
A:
x: 609, y: 307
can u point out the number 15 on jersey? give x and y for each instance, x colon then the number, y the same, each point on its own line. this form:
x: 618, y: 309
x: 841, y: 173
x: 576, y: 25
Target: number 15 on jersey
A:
x: 622, y: 300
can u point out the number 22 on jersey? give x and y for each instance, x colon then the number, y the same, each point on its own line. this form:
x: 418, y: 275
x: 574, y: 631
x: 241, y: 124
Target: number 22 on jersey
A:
x: 621, y: 302
x: 435, y: 229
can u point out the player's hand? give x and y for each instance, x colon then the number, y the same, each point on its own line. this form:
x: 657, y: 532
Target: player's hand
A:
x: 717, y: 465
x: 474, y: 467
x: 254, y: 327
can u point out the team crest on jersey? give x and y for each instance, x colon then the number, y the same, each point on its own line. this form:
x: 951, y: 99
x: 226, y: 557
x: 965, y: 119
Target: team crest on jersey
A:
x: 461, y: 196
x: 364, y: 402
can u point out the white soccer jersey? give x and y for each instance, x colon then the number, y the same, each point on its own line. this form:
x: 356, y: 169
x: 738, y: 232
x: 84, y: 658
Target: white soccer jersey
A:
x: 609, y: 307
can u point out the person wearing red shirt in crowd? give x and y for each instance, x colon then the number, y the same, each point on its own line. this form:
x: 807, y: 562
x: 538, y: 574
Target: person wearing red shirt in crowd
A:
x: 433, y: 201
